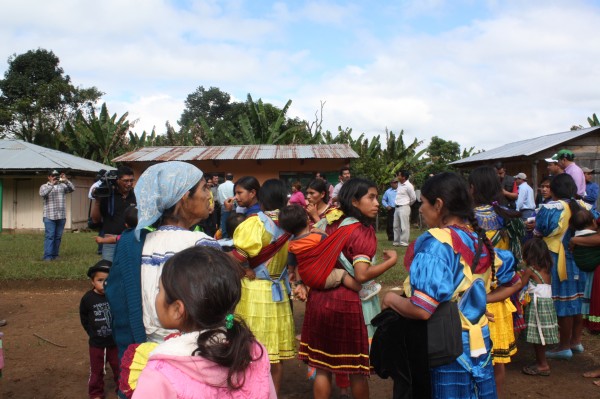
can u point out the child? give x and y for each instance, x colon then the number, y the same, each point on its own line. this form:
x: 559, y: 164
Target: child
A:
x: 540, y: 316
x: 231, y: 223
x: 94, y: 312
x: 294, y: 220
x: 131, y: 220
x: 214, y: 355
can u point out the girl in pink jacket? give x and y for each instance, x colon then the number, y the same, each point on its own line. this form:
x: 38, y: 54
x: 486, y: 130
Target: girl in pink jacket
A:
x: 215, y: 355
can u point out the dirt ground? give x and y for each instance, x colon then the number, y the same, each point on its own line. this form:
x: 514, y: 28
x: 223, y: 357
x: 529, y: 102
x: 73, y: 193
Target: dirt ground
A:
x: 38, y: 369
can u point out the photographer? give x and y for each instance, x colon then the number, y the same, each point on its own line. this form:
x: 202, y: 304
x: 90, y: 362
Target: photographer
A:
x: 53, y: 194
x: 109, y: 207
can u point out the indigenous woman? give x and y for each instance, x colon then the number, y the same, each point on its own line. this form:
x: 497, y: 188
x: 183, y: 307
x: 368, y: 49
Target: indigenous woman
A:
x: 261, y: 246
x: 318, y: 200
x: 453, y: 259
x: 505, y: 229
x: 246, y: 191
x: 334, y: 337
x: 172, y: 197
x: 568, y: 282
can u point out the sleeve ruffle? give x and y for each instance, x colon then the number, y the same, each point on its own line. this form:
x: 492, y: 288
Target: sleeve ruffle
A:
x: 248, y: 237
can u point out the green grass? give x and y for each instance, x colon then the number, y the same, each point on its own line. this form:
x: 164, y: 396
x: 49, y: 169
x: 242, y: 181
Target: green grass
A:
x: 22, y: 257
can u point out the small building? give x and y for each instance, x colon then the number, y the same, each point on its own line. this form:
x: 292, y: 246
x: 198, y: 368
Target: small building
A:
x: 24, y: 168
x: 528, y: 156
x: 286, y: 162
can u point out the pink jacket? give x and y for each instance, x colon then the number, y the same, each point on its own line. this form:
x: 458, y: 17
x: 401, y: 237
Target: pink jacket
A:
x: 172, y: 373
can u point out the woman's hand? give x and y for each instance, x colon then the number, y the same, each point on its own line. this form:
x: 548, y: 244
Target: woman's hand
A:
x: 300, y: 292
x: 312, y: 211
x: 229, y: 204
x: 391, y: 255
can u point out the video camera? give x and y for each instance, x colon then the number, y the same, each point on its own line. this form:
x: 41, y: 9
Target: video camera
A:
x: 108, y: 182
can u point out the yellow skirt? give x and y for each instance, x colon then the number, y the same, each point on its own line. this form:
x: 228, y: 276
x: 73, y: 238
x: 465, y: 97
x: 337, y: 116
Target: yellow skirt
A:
x: 501, y: 331
x: 271, y: 322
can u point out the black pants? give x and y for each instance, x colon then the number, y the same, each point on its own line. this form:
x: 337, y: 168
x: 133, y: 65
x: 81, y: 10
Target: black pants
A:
x: 389, y: 227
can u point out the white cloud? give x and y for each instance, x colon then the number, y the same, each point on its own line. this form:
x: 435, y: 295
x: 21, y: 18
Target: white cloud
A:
x: 525, y: 69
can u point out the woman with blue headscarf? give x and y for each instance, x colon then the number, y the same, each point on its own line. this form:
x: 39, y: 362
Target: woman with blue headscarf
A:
x: 172, y: 196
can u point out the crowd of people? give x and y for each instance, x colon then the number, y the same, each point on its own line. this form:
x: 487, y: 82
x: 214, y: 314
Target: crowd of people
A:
x: 183, y: 311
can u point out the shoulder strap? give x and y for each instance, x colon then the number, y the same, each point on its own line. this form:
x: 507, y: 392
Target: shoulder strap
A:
x: 538, y: 275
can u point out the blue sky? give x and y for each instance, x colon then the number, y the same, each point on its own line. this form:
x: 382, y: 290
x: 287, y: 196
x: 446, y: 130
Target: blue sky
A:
x: 478, y: 72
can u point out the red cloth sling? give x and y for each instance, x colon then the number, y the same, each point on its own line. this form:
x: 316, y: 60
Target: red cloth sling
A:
x: 269, y: 251
x: 315, y: 264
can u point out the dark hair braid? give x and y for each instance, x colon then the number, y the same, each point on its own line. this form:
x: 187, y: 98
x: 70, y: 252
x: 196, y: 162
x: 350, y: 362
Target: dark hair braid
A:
x: 486, y: 241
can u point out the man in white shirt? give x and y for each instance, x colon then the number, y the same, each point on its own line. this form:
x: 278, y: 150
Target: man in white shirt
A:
x: 405, y: 197
x: 344, y: 177
x: 526, y: 198
x: 225, y: 192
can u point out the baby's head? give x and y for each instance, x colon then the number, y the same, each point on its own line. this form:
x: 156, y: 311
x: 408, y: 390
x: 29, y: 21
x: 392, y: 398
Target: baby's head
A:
x: 293, y: 219
x: 233, y: 221
x: 583, y: 220
x: 131, y: 217
x: 98, y: 274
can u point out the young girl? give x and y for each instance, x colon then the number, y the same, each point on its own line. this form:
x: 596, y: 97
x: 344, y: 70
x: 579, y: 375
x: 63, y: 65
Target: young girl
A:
x: 540, y: 316
x: 215, y: 354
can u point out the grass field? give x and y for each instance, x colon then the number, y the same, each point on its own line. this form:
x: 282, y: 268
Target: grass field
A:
x: 22, y: 257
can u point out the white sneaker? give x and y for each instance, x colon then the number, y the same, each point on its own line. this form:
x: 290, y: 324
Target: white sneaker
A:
x: 369, y: 291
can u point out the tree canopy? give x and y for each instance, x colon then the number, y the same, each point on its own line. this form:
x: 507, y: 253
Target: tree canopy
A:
x: 37, y: 98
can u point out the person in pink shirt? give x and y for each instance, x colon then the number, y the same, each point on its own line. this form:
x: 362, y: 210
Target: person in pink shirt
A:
x: 215, y: 355
x: 297, y: 197
x: 565, y: 160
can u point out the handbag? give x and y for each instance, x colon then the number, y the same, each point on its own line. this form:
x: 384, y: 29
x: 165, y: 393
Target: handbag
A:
x: 444, y: 328
x: 444, y: 335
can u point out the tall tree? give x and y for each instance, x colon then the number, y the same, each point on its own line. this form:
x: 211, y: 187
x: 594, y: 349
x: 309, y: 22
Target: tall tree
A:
x: 210, y: 105
x: 37, y: 98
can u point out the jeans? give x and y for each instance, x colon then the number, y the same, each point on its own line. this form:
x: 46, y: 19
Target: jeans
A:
x: 223, y: 223
x: 108, y: 250
x: 53, y: 235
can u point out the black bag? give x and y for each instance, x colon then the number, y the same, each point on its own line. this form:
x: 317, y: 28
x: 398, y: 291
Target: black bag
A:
x: 90, y: 223
x: 444, y: 335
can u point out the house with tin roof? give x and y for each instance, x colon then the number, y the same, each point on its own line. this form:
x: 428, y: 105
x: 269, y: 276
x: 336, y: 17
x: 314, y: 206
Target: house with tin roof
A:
x: 528, y: 156
x: 286, y: 162
x: 24, y: 168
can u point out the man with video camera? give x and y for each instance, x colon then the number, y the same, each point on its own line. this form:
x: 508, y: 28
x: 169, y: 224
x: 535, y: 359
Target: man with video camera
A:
x: 111, y: 198
x: 55, y: 213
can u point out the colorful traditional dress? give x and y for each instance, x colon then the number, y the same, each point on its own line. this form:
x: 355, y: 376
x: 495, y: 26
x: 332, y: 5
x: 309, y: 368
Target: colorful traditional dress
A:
x: 540, y: 315
x: 441, y: 271
x: 335, y: 336
x: 264, y: 304
x: 502, y: 328
x: 568, y: 282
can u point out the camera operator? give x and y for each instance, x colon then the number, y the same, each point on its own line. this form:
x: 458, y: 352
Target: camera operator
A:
x: 55, y: 213
x: 110, y: 209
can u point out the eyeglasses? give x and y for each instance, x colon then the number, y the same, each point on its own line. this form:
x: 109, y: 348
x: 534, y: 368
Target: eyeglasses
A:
x: 127, y: 180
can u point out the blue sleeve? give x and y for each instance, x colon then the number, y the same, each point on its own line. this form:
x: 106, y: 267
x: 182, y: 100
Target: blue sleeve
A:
x: 546, y: 220
x: 435, y: 272
x: 505, y: 274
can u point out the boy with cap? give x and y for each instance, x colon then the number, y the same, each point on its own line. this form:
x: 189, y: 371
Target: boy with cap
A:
x: 94, y: 313
x: 565, y: 160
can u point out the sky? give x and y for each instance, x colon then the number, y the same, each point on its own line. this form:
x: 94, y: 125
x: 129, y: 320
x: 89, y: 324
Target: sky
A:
x: 481, y: 73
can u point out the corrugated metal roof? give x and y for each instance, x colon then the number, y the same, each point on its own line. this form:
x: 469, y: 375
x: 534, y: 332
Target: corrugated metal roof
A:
x: 18, y: 155
x: 526, y: 147
x: 261, y: 151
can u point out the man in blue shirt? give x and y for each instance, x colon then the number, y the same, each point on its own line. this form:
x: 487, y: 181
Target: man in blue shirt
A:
x: 591, y: 188
x: 389, y: 203
x: 526, y: 199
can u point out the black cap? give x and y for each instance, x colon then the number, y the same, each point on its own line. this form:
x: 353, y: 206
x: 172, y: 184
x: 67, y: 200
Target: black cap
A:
x: 103, y: 265
x: 53, y: 172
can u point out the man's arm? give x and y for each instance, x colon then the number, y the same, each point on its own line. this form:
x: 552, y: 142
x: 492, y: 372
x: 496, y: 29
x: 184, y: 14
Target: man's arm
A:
x: 591, y: 193
x: 96, y: 214
x: 45, y: 189
x: 411, y: 194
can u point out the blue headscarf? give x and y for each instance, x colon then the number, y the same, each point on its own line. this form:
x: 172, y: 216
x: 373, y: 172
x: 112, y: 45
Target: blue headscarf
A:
x: 160, y: 187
